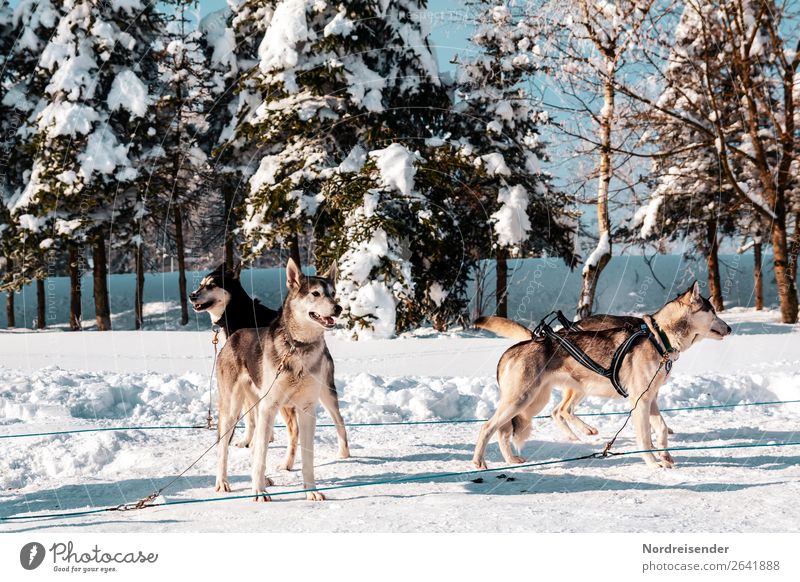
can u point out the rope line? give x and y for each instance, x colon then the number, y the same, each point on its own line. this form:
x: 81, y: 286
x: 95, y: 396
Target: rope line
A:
x: 406, y: 479
x: 391, y: 423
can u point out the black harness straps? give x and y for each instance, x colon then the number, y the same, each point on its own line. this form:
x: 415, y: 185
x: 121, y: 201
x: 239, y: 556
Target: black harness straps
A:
x: 544, y: 330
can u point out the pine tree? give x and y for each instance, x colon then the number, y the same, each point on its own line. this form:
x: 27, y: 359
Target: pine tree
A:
x: 230, y: 40
x: 26, y: 246
x: 90, y: 129
x: 178, y: 164
x: 499, y: 129
x: 342, y: 90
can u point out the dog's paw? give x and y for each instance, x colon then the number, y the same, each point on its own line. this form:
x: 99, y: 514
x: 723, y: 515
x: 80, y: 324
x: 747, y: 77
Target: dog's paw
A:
x: 242, y: 444
x: 590, y: 430
x: 269, y: 482
x: 222, y: 487
x: 516, y: 460
x: 479, y: 464
x: 285, y: 466
x: 344, y: 453
x: 314, y: 496
x: 261, y: 496
x: 666, y: 460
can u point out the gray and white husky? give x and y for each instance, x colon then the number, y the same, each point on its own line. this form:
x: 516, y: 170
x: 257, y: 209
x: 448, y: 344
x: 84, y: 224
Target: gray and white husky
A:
x: 283, y: 367
x: 528, y: 371
x: 222, y: 296
x: 563, y: 413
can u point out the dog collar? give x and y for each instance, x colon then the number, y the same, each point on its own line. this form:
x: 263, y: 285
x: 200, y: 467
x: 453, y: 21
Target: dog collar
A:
x: 662, y: 336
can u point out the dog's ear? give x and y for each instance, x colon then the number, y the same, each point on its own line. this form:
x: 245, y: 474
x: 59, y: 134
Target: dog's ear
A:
x: 294, y: 276
x: 696, y: 296
x: 332, y: 273
x: 692, y: 294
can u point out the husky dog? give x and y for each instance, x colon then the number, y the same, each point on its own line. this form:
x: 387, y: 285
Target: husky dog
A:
x: 564, y: 412
x: 283, y: 367
x: 222, y: 296
x: 528, y: 371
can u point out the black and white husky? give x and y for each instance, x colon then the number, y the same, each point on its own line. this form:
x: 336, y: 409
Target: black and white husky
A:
x: 221, y: 295
x: 285, y: 366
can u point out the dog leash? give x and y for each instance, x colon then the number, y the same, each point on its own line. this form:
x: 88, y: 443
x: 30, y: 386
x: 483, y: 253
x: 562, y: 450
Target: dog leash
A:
x: 215, y: 342
x: 146, y: 501
x: 665, y: 361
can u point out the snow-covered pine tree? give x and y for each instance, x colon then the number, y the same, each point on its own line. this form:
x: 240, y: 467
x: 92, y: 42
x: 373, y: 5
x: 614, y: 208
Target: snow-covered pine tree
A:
x: 499, y: 130
x: 347, y: 92
x: 8, y: 131
x: 26, y: 250
x: 230, y: 38
x: 178, y: 165
x: 90, y: 128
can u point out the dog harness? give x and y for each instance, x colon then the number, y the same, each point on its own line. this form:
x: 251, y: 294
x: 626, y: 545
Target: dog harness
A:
x: 544, y: 330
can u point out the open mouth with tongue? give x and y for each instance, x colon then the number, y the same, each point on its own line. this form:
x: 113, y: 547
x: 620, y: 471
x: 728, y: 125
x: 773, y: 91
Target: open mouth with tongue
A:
x: 325, y: 321
x: 198, y: 306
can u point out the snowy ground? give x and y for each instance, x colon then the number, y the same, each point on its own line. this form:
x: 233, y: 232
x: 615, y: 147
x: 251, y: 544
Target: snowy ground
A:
x: 58, y: 381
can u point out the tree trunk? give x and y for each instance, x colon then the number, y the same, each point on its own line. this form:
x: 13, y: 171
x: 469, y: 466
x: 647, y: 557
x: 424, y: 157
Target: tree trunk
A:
x: 41, y: 308
x: 757, y: 283
x: 10, y: 319
x: 795, y: 248
x: 102, y: 308
x: 501, y: 288
x: 74, y: 289
x: 602, y: 253
x: 787, y: 289
x: 294, y: 249
x: 179, y: 247
x: 712, y: 261
x: 228, y: 197
x: 139, y: 299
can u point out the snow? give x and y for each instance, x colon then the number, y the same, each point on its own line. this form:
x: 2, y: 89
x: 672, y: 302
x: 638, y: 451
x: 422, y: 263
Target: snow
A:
x: 647, y: 216
x: 437, y: 293
x: 265, y: 175
x: 128, y: 92
x: 364, y: 85
x: 354, y: 161
x: 103, y: 154
x: 511, y: 222
x: 374, y: 300
x: 603, y: 248
x: 288, y: 27
x: 396, y: 166
x: 66, y: 118
x: 130, y: 7
x: 494, y: 164
x: 339, y: 26
x: 149, y: 378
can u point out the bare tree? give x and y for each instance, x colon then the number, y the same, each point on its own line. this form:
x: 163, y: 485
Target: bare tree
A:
x: 585, y: 45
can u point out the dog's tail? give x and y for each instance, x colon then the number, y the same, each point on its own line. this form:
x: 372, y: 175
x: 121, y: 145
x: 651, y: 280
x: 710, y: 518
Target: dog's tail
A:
x: 520, y: 431
x: 504, y: 327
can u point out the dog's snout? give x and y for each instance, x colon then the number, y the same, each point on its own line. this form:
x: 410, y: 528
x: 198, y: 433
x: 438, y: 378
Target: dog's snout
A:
x: 338, y: 310
x: 727, y: 329
x: 193, y: 296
